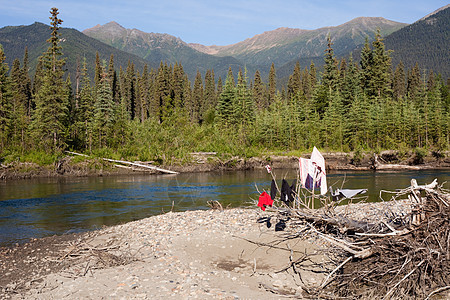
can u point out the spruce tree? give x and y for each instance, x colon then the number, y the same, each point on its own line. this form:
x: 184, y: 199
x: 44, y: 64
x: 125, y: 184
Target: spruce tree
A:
x: 259, y: 92
x: 330, y: 76
x: 351, y: 88
x: 103, y: 117
x: 294, y: 84
x: 366, y: 63
x: 210, y: 100
x: 196, y: 110
x: 244, y: 110
x: 272, y: 87
x: 112, y: 76
x: 5, y: 101
x: 144, y: 94
x: 19, y: 118
x: 98, y: 70
x: 162, y: 92
x: 50, y: 119
x: 225, y: 112
x: 131, y: 90
x: 399, y: 82
x: 84, y: 116
x: 27, y: 86
x: 381, y: 69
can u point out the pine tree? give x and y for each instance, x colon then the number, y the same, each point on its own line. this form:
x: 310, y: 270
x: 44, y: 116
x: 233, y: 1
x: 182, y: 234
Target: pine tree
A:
x: 259, y: 92
x: 5, y: 101
x: 84, y: 116
x: 356, y: 126
x: 144, y: 94
x: 98, y: 70
x: 272, y: 87
x: 366, y: 67
x: 294, y: 84
x: 333, y: 123
x: 50, y: 119
x: 330, y: 76
x: 162, y: 92
x: 413, y: 83
x: 131, y: 90
x: 210, y: 100
x: 244, y: 110
x: 112, y: 77
x: 178, y: 83
x: 225, y: 111
x: 219, y: 87
x: 399, y: 82
x: 381, y: 69
x: 195, y: 111
x: 350, y: 87
x: 103, y: 118
x: 27, y: 86
x: 19, y: 118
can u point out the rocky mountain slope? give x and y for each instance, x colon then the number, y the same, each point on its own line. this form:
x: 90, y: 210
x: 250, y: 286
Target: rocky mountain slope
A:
x: 157, y: 47
x: 284, y: 44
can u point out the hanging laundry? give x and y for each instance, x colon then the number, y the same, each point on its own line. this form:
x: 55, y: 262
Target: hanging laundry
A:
x: 321, y: 177
x: 287, y: 192
x: 264, y: 201
x: 273, y: 190
x: 294, y: 182
x: 306, y: 173
x: 312, y: 172
x: 345, y: 193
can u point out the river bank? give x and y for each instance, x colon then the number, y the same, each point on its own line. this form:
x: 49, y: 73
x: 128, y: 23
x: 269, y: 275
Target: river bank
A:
x: 207, y: 162
x: 212, y: 254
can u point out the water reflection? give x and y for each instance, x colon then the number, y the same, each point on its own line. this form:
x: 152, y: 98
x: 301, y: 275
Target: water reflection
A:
x: 40, y: 207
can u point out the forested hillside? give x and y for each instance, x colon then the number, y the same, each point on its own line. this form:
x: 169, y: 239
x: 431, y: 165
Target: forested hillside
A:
x: 157, y: 114
x: 425, y: 42
x: 75, y: 47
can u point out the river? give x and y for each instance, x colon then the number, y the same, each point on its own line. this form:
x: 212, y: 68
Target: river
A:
x: 46, y: 206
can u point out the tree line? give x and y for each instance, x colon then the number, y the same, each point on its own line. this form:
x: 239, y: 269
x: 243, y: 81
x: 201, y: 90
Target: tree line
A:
x: 158, y: 114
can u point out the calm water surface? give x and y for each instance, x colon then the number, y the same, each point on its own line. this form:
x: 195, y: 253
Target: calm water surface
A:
x: 42, y: 207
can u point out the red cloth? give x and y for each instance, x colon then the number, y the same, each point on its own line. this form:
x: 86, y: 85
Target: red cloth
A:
x: 264, y: 200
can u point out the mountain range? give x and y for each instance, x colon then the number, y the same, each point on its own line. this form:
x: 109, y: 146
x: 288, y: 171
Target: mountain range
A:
x: 425, y: 42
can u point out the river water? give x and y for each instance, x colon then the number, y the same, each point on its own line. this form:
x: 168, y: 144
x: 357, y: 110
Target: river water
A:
x: 46, y: 206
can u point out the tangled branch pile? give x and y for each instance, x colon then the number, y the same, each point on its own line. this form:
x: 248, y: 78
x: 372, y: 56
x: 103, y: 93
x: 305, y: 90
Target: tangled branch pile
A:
x: 397, y: 255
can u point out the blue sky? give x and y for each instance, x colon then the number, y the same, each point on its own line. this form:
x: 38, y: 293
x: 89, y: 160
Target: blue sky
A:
x: 212, y: 22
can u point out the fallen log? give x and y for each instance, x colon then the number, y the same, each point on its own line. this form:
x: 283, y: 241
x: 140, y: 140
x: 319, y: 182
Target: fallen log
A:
x: 130, y: 163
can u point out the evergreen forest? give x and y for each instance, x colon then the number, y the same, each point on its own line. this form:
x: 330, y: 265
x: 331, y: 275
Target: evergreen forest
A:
x: 157, y: 114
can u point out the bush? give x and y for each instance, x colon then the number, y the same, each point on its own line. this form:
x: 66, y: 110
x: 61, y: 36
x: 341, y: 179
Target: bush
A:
x: 419, y: 155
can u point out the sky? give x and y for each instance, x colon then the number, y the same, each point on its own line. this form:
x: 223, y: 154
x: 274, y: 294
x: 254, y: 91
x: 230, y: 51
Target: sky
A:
x: 211, y: 22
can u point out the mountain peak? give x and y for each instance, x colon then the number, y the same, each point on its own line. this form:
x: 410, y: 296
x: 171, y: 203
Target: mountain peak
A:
x: 370, y: 21
x: 112, y: 28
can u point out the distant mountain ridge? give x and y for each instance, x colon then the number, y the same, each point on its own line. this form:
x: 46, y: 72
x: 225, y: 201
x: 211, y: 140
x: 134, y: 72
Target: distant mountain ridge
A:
x: 280, y: 46
x: 157, y: 47
x: 284, y: 44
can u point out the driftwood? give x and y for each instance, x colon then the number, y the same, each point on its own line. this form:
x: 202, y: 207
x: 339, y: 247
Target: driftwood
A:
x: 396, y: 256
x: 376, y: 165
x: 130, y: 163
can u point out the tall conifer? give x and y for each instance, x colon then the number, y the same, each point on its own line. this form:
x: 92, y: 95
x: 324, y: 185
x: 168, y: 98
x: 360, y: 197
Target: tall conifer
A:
x: 50, y: 119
